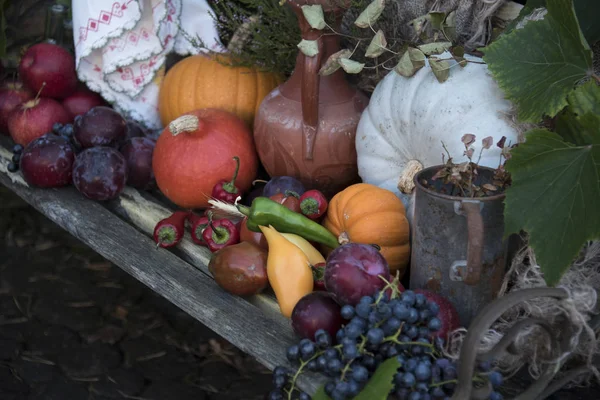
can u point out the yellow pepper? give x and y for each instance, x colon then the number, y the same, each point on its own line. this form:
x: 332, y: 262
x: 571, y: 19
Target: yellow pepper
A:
x: 314, y: 257
x: 288, y: 270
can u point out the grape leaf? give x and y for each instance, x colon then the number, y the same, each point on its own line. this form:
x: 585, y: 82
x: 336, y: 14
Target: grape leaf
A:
x: 437, y: 19
x: 333, y: 62
x: 320, y: 394
x: 309, y: 48
x: 440, y: 68
x: 381, y: 383
x: 314, y: 16
x: 377, y: 45
x: 583, y: 112
x: 554, y: 197
x: 434, y: 48
x: 587, y: 13
x: 585, y: 98
x: 351, y: 66
x: 370, y: 14
x: 411, y: 61
x: 538, y: 65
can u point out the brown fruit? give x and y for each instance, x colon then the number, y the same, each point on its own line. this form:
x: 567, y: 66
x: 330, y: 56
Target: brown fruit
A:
x: 240, y: 269
x: 257, y: 238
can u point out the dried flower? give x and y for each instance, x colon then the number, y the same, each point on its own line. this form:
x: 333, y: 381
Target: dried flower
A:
x: 487, y: 142
x: 501, y: 142
x: 468, y: 139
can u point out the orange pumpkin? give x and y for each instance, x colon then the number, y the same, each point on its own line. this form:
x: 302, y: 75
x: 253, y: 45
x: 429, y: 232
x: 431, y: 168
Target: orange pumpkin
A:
x: 196, y: 151
x: 364, y: 213
x: 204, y: 81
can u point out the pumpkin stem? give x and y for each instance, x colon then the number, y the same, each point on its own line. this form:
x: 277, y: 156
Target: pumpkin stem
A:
x: 406, y: 182
x: 185, y: 123
x: 343, y: 238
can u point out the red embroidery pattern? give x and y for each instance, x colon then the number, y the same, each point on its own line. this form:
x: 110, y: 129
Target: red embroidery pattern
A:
x: 127, y: 73
x: 105, y: 18
x: 132, y: 39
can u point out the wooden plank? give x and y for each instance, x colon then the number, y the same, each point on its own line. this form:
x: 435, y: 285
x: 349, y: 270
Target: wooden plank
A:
x: 263, y: 336
x: 144, y: 212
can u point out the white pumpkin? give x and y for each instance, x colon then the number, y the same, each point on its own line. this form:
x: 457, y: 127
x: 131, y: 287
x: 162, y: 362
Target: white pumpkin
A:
x: 408, y: 119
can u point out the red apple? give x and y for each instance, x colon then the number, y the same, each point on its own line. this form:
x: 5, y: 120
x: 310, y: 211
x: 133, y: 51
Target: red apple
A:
x: 49, y: 64
x: 82, y: 101
x: 11, y: 95
x: 34, y: 118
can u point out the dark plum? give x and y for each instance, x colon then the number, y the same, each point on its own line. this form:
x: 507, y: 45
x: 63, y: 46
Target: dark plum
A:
x: 282, y: 184
x: 101, y: 126
x: 447, y: 313
x: 353, y: 271
x: 48, y: 162
x: 100, y: 173
x: 138, y: 155
x: 257, y: 191
x: 316, y: 310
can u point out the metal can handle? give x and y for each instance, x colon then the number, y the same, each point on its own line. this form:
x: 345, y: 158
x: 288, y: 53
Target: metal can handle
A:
x: 470, y: 272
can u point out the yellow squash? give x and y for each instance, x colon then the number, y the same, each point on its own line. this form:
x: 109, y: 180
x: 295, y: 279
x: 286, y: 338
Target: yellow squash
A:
x: 288, y: 270
x: 314, y: 256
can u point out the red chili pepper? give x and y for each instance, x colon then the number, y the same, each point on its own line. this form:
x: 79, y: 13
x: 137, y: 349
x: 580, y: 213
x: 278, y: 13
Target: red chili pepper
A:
x: 226, y: 190
x: 169, y: 231
x: 290, y: 200
x: 198, y: 225
x: 220, y: 233
x: 313, y: 204
x: 318, y: 271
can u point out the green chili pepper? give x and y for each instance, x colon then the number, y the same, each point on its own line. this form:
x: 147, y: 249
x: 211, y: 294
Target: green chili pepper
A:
x: 265, y: 212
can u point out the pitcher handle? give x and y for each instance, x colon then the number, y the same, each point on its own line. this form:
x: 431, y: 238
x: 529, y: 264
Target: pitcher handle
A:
x: 470, y: 273
x: 310, y: 100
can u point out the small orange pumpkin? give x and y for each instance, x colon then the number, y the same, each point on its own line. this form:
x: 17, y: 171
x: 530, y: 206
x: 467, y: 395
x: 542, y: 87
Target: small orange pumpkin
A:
x: 206, y: 81
x: 364, y: 213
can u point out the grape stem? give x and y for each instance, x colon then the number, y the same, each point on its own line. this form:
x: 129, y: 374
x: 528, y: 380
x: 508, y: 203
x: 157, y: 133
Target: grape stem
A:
x: 297, y: 374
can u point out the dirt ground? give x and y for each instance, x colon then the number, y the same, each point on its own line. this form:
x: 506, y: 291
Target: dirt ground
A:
x: 75, y: 327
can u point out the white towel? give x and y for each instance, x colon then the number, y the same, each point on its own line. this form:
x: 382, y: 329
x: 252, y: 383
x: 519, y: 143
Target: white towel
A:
x: 121, y: 47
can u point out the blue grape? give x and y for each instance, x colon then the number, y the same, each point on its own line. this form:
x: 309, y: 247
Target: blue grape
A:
x: 293, y: 353
x: 404, y: 339
x: 438, y: 392
x: 329, y: 388
x: 443, y: 363
x: 342, y: 387
x: 374, y: 318
x: 392, y: 352
x: 392, y: 325
x: 484, y: 366
x: 279, y: 370
x: 424, y: 315
x: 496, y: 396
x: 334, y: 365
x: 420, y: 300
x: 433, y: 307
x: 408, y: 297
x: 423, y: 372
x: 401, y: 311
x: 410, y: 365
x: 408, y: 380
x: 422, y: 387
x: 360, y: 322
x: 312, y: 365
x: 449, y: 373
x: 496, y: 379
x: 368, y: 362
x: 435, y: 324
x: 353, y: 388
x: 366, y: 300
x: 436, y: 374
x: 363, y: 310
x: 323, y: 339
x: 275, y: 395
x: 415, y: 396
x: 350, y: 351
x: 346, y: 341
x: 322, y: 363
x: 413, y: 316
x: 360, y: 373
x: 353, y: 331
x: 424, y: 332
x: 398, y: 378
x: 402, y: 393
x: 411, y: 331
x: 383, y: 311
x: 375, y: 336
x: 340, y: 335
x: 416, y: 350
x: 279, y: 381
x: 303, y: 396
x: 330, y: 354
x: 307, y: 350
x: 347, y: 312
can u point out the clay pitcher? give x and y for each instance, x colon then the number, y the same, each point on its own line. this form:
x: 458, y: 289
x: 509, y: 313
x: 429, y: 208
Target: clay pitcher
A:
x: 306, y: 127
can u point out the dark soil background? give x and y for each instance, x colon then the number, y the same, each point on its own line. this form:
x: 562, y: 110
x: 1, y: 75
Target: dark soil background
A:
x: 75, y: 327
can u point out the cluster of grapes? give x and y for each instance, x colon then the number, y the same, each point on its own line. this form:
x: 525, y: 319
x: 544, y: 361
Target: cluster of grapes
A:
x: 66, y: 131
x: 13, y: 165
x: 380, y: 328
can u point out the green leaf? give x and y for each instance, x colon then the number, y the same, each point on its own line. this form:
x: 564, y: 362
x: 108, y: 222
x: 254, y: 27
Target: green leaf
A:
x: 583, y: 112
x: 449, y: 26
x: 309, y: 48
x: 351, y: 66
x: 333, y: 62
x: 537, y: 66
x: 440, y: 68
x: 381, y: 383
x: 554, y: 197
x: 585, y: 98
x: 437, y: 19
x: 587, y: 13
x: 370, y: 14
x: 411, y: 61
x: 434, y: 48
x: 314, y: 16
x: 377, y: 45
x: 320, y: 394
